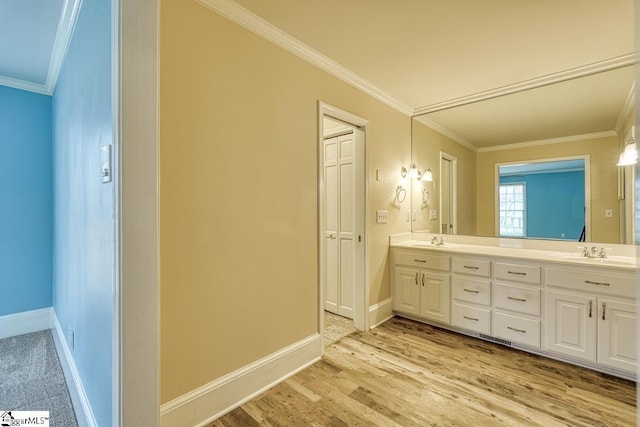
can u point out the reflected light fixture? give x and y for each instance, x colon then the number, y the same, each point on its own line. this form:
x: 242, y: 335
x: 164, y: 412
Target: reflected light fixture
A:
x: 414, y: 172
x: 630, y: 154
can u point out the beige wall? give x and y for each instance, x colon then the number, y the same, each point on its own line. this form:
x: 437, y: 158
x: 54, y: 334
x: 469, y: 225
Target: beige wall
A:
x: 238, y: 179
x: 604, y: 156
x: 426, y: 145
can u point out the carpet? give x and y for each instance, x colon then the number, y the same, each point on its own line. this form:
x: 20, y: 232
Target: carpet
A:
x: 31, y: 378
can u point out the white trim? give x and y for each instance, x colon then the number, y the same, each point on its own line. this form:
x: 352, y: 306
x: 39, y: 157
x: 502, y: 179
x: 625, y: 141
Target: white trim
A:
x: 454, y: 186
x: 81, y: 405
x: 204, y: 404
x: 24, y: 85
x: 116, y: 383
x: 562, y: 140
x: 137, y: 193
x: 594, y: 68
x: 380, y: 312
x: 252, y: 22
x: 446, y: 132
x: 25, y: 322
x: 66, y: 26
x: 629, y: 104
x: 361, y: 307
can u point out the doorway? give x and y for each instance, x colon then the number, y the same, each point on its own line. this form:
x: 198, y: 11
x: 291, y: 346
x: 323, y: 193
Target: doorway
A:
x: 341, y: 232
x: 448, y: 193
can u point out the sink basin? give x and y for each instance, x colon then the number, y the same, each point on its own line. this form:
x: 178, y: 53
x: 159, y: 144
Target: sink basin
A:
x: 431, y: 245
x: 609, y: 260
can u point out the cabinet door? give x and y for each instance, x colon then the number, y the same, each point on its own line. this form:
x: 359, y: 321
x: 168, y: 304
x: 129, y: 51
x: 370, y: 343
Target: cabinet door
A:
x: 617, y: 344
x: 434, y: 296
x: 406, y: 292
x: 571, y: 325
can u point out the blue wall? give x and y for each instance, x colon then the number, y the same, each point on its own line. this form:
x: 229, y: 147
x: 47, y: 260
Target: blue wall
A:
x: 26, y: 208
x: 555, y: 204
x: 84, y: 228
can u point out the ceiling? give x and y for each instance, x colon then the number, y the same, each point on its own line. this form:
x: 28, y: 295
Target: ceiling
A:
x: 416, y: 55
x: 423, y: 52
x: 33, y: 40
x: 421, y: 56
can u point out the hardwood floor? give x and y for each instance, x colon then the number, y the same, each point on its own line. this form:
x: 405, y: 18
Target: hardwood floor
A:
x: 410, y: 374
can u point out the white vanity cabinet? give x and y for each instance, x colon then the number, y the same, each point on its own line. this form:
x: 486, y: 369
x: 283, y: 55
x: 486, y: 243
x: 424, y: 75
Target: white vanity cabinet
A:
x: 471, y: 294
x: 517, y: 300
x: 583, y: 312
x: 421, y: 284
x: 592, y: 316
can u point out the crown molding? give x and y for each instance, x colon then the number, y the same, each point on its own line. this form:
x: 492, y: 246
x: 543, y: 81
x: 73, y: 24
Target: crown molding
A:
x: 594, y: 68
x: 24, y: 85
x: 66, y: 25
x: 252, y: 22
x: 446, y: 132
x: 561, y: 140
x: 629, y: 104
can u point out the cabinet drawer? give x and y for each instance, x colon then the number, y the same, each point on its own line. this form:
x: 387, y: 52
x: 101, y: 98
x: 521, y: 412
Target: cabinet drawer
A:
x: 423, y: 260
x: 517, y: 272
x: 472, y: 290
x: 517, y: 298
x: 473, y: 267
x: 472, y: 318
x: 516, y: 329
x: 587, y: 281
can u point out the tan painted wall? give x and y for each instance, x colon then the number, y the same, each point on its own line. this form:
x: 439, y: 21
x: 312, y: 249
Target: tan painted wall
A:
x: 238, y: 179
x: 426, y: 145
x: 604, y: 156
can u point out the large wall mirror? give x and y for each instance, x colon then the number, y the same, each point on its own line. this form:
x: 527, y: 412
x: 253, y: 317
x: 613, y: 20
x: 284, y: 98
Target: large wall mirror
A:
x: 536, y: 136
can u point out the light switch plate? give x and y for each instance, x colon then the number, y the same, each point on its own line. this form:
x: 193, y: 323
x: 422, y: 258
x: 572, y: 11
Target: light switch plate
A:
x: 608, y: 213
x: 105, y: 163
x: 382, y: 217
x: 433, y: 214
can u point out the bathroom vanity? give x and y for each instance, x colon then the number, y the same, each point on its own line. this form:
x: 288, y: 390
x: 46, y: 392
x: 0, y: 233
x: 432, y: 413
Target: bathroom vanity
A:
x: 547, y: 298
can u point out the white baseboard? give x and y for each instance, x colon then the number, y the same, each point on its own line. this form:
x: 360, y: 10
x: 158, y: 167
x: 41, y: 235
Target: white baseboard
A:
x: 25, y: 322
x: 380, y: 313
x: 206, y: 403
x: 84, y: 413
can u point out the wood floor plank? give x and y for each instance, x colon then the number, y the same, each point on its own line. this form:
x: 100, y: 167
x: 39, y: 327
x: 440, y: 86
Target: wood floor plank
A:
x: 407, y: 373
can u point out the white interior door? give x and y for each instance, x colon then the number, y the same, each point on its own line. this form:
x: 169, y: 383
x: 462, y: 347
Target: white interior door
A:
x: 341, y: 230
x: 448, y: 194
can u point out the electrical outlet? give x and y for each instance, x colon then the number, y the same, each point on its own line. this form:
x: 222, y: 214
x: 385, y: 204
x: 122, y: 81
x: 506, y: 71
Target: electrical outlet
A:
x: 71, y: 339
x: 433, y: 214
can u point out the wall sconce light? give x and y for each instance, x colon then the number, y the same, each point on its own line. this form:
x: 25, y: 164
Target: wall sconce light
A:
x: 630, y: 154
x: 414, y: 172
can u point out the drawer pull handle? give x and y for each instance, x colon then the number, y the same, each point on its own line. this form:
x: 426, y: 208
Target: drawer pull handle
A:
x: 471, y: 267
x: 590, y: 308
x: 590, y: 282
x: 604, y: 310
x: 416, y: 277
x: 420, y: 260
x: 422, y: 279
x: 471, y: 318
x: 517, y: 330
x: 517, y: 273
x: 473, y: 291
x: 517, y: 299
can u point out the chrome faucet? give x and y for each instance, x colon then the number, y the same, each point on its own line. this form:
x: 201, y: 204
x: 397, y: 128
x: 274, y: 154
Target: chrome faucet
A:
x: 593, y: 252
x: 436, y: 241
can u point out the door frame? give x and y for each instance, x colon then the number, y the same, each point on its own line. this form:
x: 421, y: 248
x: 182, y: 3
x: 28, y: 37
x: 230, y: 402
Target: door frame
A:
x: 361, y: 292
x: 454, y: 190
